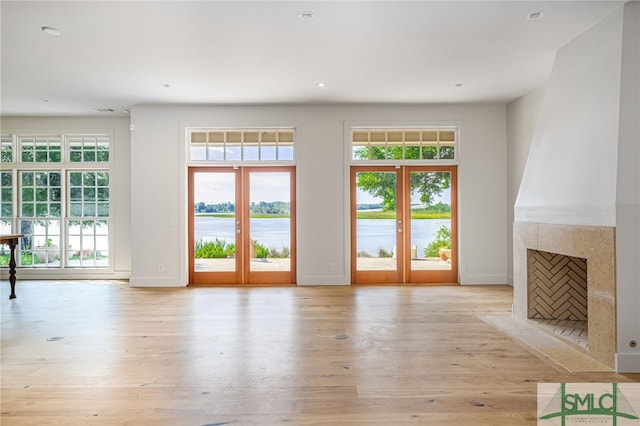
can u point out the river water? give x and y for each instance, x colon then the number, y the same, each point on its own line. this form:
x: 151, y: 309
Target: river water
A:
x: 373, y: 234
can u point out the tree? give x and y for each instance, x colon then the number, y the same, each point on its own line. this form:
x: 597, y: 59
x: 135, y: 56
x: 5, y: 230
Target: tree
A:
x: 383, y: 185
x: 429, y: 185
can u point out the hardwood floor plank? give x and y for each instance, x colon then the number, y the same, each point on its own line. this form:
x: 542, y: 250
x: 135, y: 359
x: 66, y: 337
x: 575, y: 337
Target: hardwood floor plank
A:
x: 102, y: 353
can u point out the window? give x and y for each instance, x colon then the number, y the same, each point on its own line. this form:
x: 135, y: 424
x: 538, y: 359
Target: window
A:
x: 57, y: 193
x: 241, y: 145
x: 404, y: 144
x: 6, y: 202
x: 6, y: 149
x: 88, y: 149
x: 45, y: 149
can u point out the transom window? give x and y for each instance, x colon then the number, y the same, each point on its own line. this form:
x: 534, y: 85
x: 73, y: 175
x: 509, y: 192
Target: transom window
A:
x: 42, y: 149
x: 6, y: 149
x: 240, y: 145
x: 404, y: 144
x: 55, y: 191
x: 88, y: 149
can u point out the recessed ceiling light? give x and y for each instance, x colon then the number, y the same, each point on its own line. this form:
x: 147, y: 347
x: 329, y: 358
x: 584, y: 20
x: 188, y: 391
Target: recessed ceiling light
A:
x: 306, y: 15
x: 321, y: 84
x: 51, y: 31
x: 46, y: 101
x: 535, y: 15
x: 125, y: 111
x: 458, y: 85
x: 167, y: 85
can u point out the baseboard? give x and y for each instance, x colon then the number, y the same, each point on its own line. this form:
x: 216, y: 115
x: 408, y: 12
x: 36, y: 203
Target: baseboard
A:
x: 483, y: 279
x: 628, y: 363
x: 65, y: 274
x: 156, y: 282
x: 324, y: 280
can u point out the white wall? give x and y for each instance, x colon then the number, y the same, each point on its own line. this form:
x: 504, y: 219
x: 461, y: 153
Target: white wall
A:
x: 628, y: 196
x: 119, y: 185
x: 158, y: 184
x: 583, y: 164
x: 570, y: 176
x: 522, y: 118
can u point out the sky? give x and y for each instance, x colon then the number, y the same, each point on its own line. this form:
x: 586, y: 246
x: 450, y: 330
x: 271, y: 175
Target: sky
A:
x: 214, y: 188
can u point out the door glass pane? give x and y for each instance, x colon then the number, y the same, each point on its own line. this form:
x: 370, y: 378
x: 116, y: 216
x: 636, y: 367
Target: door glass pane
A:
x: 214, y: 221
x: 270, y: 221
x: 376, y: 221
x: 430, y: 221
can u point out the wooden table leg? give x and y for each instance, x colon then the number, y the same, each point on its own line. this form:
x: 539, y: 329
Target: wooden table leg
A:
x: 12, y: 267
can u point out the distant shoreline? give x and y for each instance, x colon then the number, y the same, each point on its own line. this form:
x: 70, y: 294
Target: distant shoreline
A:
x: 360, y: 215
x: 392, y: 215
x: 232, y: 215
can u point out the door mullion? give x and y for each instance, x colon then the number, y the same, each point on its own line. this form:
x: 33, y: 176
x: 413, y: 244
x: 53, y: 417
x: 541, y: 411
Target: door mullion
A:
x: 400, y: 224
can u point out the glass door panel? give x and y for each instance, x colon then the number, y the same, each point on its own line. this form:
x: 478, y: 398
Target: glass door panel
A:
x: 270, y: 221
x: 430, y: 220
x: 214, y: 226
x: 376, y: 226
x: 431, y: 213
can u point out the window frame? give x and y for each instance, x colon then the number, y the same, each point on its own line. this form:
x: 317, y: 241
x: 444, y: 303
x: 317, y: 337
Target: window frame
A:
x: 395, y: 136
x: 65, y: 167
x: 232, y: 134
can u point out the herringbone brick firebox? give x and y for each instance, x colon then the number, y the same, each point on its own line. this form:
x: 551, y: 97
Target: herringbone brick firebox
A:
x: 557, y: 286
x: 553, y: 291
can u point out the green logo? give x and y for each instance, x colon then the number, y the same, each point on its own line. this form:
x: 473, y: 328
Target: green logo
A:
x: 566, y: 404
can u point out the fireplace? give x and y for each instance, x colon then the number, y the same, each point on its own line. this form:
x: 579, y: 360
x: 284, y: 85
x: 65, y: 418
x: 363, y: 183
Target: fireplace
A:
x: 564, y: 282
x: 557, y: 294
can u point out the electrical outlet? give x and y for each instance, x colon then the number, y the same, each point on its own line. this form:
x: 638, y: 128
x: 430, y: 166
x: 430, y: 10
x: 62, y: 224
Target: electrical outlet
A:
x: 330, y: 267
x: 161, y: 268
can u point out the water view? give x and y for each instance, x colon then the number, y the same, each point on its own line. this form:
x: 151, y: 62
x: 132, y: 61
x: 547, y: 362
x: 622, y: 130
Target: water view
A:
x: 373, y: 234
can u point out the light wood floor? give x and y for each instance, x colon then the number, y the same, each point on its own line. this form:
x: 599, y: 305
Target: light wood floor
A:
x: 84, y: 353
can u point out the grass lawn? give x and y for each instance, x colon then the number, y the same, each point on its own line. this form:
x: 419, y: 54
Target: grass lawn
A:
x: 415, y: 214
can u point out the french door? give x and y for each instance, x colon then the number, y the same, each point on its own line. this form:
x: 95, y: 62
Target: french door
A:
x: 242, y: 225
x: 403, y: 224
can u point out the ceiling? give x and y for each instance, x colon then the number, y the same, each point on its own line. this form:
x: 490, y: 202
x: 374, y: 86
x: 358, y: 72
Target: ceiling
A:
x: 113, y: 55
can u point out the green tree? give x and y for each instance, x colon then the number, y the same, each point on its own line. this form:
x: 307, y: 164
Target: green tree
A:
x: 429, y: 185
x: 380, y: 185
x: 383, y: 185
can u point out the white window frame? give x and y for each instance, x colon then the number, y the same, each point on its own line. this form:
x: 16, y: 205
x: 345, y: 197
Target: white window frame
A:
x: 64, y: 167
x: 243, y: 131
x: 402, y: 141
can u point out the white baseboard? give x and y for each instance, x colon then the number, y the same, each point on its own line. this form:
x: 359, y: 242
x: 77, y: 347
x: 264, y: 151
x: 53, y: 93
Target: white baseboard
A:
x: 324, y: 280
x: 65, y: 274
x: 483, y: 279
x: 628, y: 363
x: 156, y: 282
